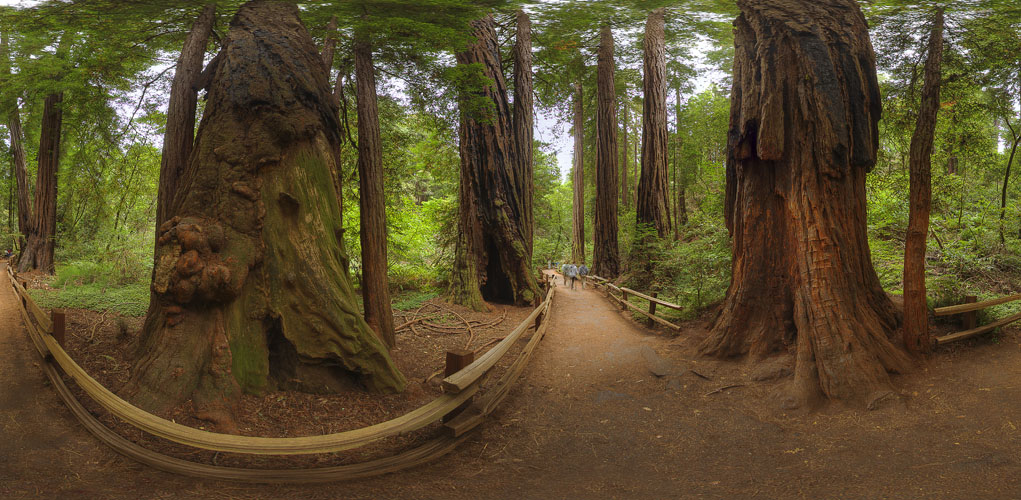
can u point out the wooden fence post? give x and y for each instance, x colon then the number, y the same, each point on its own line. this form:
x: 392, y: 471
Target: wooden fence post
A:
x: 457, y: 359
x: 652, y: 307
x: 623, y: 299
x: 57, y: 317
x: 970, y: 318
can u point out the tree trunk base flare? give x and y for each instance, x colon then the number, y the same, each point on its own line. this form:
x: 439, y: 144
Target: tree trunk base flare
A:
x: 251, y: 289
x: 804, y: 114
x: 492, y: 261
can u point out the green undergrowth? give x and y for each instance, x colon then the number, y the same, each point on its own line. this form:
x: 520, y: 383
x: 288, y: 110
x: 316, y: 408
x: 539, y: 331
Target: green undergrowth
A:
x: 128, y: 300
x: 411, y: 299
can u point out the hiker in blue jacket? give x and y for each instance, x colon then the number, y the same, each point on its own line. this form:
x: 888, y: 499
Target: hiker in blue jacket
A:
x: 582, y: 272
x: 571, y: 271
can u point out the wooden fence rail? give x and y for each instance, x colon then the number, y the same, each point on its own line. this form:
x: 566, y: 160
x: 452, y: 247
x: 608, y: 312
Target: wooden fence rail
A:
x: 41, y: 330
x: 610, y: 289
x: 968, y: 310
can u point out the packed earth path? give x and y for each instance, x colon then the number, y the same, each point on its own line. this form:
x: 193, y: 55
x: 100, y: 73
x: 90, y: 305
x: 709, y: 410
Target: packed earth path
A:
x: 606, y: 409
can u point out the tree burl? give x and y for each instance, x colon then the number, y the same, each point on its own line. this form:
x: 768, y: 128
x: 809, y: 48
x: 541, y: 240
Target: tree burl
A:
x: 251, y: 289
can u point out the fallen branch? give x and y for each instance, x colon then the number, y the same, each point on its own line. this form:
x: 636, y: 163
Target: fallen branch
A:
x: 721, y: 389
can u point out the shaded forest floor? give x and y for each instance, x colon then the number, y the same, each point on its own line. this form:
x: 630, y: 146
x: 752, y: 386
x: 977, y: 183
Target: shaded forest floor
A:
x: 591, y: 419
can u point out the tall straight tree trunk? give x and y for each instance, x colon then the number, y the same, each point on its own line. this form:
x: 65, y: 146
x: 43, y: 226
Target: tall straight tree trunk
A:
x: 329, y: 44
x: 682, y: 208
x: 916, y: 312
x: 252, y: 291
x: 491, y: 254
x: 653, y: 208
x: 605, y: 257
x: 42, y: 227
x: 524, y: 122
x: 805, y: 108
x: 20, y: 164
x: 624, y: 197
x: 375, y: 291
x: 578, y: 178
x: 179, y: 136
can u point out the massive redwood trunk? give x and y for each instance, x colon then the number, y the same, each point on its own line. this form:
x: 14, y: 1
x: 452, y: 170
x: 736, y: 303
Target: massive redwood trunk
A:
x: 491, y: 255
x: 605, y: 258
x: 42, y: 225
x: 916, y: 312
x: 250, y: 283
x: 524, y: 122
x: 179, y: 136
x: 372, y: 210
x: 803, y: 134
x: 653, y: 209
x: 578, y: 179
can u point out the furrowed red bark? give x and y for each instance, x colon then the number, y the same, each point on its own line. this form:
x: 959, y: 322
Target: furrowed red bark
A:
x: 375, y: 291
x: 605, y: 257
x: 330, y: 43
x: 916, y: 311
x: 42, y: 226
x: 251, y: 289
x: 179, y: 137
x: 578, y: 179
x: 524, y: 122
x: 805, y: 108
x: 491, y: 254
x: 653, y: 208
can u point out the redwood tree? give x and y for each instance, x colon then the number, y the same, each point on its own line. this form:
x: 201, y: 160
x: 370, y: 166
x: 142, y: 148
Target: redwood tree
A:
x: 250, y: 282
x: 653, y: 208
x: 803, y: 134
x: 578, y: 178
x: 375, y: 288
x: 42, y: 222
x: 179, y: 136
x: 916, y: 312
x: 605, y: 258
x: 20, y: 164
x: 524, y: 121
x: 491, y: 258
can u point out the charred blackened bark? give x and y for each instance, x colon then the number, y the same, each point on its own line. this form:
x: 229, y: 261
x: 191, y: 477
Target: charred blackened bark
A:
x: 578, y: 179
x: 250, y: 282
x: 491, y: 254
x: 803, y: 134
x: 179, y: 136
x: 605, y: 257
x: 916, y: 311
x: 372, y: 209
x: 653, y: 209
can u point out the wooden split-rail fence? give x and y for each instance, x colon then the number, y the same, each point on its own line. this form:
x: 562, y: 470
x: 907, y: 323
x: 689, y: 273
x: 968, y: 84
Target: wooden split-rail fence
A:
x: 620, y: 296
x: 969, y: 318
x: 459, y: 409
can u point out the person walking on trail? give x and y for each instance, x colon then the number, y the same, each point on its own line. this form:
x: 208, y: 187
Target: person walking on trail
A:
x: 582, y: 272
x: 571, y: 272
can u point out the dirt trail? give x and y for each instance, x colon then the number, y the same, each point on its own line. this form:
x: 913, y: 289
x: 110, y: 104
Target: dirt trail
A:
x: 590, y: 420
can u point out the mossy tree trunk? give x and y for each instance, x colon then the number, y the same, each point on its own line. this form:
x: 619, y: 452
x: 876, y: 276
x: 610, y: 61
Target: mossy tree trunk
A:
x: 251, y: 286
x: 492, y: 260
x: 578, y: 179
x: 916, y: 310
x: 372, y: 209
x: 803, y: 134
x: 605, y: 256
